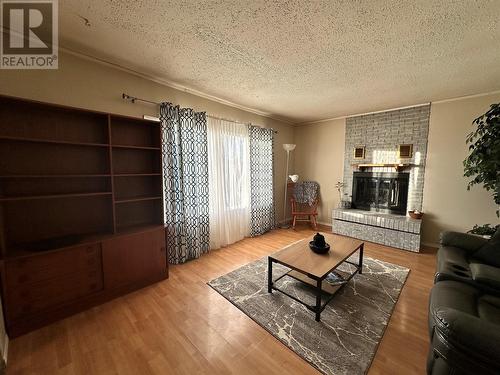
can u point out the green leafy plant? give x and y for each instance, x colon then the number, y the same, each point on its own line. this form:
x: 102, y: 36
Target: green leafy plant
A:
x: 483, y: 162
x: 484, y: 230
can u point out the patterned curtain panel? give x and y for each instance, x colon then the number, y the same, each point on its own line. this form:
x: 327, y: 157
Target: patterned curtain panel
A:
x: 185, y: 173
x: 261, y: 180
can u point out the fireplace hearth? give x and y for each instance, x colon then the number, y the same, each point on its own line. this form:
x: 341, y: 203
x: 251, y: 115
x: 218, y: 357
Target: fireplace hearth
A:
x: 380, y: 192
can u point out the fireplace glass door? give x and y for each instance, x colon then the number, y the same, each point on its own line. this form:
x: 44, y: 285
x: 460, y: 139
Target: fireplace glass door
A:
x: 381, y: 192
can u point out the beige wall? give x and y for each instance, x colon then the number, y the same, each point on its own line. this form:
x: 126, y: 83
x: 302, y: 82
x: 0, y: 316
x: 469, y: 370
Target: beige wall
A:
x: 83, y: 83
x: 319, y: 156
x: 447, y: 203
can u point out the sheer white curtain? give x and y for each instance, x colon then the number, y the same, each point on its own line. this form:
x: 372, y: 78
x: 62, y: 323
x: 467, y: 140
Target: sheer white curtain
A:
x: 229, y: 181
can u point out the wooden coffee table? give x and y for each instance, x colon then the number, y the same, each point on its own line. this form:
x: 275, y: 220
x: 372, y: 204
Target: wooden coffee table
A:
x: 311, y: 268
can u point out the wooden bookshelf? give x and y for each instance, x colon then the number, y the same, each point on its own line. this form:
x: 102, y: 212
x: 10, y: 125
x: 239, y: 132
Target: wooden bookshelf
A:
x: 38, y: 140
x: 73, y: 183
x: 54, y: 196
x: 138, y: 199
x: 136, y: 169
x: 135, y: 133
x: 54, y: 176
x: 137, y: 147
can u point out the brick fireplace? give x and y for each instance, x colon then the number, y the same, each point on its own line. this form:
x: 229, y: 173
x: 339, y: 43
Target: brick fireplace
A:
x: 382, y: 194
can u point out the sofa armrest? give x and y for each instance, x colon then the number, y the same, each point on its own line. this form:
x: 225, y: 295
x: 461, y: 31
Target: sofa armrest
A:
x: 468, y: 242
x: 467, y: 341
x: 485, y: 274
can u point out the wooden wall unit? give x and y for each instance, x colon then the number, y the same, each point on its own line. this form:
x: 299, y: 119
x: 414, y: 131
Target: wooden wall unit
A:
x: 81, y: 211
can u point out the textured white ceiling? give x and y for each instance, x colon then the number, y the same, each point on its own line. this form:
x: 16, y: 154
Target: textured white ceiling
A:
x: 299, y: 60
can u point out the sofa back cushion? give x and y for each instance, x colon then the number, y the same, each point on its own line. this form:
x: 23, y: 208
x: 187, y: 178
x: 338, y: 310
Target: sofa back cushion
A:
x: 489, y: 253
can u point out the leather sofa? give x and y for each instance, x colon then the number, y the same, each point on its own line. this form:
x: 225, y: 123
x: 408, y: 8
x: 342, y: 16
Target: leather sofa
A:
x: 464, y: 306
x: 469, y: 259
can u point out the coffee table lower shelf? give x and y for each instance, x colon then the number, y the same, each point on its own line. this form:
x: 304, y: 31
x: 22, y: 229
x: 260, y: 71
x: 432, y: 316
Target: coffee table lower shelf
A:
x: 320, y: 287
x: 325, y: 287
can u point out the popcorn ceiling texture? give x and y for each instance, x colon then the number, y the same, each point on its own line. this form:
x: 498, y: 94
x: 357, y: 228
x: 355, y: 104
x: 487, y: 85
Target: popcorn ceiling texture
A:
x: 299, y: 60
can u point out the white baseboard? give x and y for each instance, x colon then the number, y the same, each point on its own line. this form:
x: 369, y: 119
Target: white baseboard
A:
x: 325, y: 224
x: 287, y: 220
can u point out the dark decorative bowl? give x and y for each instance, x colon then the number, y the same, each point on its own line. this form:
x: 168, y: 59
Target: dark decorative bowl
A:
x: 319, y: 250
x: 414, y: 215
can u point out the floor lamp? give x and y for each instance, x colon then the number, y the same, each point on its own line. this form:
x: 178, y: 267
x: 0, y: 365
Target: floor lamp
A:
x: 287, y: 147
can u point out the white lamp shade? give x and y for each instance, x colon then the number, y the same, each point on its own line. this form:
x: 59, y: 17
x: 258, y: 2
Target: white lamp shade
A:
x: 288, y: 147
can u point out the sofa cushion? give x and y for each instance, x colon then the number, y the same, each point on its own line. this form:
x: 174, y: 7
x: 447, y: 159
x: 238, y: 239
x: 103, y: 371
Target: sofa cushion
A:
x: 454, y: 295
x: 489, y: 309
x: 467, y: 342
x: 438, y: 366
x: 489, y: 253
x: 469, y: 242
x: 466, y: 299
x: 485, y: 274
x: 464, y: 325
x: 452, y: 264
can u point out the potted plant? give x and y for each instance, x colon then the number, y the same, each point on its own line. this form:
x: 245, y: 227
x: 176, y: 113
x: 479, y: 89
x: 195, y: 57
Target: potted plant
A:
x: 343, y: 203
x: 485, y: 230
x: 483, y: 163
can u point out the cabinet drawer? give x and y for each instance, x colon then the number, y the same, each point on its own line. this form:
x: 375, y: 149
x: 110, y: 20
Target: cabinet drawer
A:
x: 43, y: 281
x: 43, y: 267
x: 38, y: 297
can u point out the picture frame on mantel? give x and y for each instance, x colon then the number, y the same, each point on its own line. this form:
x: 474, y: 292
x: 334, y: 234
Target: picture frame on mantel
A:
x: 359, y: 152
x: 405, y: 151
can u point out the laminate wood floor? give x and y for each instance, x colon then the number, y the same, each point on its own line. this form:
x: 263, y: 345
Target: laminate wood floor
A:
x: 182, y: 326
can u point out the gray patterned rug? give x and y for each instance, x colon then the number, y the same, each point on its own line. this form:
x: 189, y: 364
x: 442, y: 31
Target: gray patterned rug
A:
x: 351, y: 327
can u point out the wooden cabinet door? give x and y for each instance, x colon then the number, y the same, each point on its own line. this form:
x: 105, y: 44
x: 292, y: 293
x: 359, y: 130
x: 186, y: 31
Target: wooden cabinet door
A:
x: 134, y: 258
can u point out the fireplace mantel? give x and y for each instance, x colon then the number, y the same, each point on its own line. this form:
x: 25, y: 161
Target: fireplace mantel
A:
x: 397, y: 166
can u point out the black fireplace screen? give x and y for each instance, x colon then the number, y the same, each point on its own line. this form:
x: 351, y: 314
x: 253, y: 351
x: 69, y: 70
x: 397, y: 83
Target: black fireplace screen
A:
x: 381, y: 192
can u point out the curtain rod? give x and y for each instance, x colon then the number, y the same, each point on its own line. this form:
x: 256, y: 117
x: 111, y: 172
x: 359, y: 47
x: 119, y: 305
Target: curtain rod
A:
x: 134, y: 99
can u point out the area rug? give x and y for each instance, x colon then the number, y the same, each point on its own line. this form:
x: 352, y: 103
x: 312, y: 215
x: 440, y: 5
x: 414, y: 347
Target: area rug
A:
x: 351, y: 326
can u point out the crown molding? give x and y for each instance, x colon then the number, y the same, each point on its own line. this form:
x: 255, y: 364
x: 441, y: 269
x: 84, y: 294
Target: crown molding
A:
x: 395, y: 109
x: 466, y: 97
x: 360, y: 114
x: 176, y: 86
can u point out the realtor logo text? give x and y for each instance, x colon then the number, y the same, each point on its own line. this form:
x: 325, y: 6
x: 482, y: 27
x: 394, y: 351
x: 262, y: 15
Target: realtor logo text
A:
x: 29, y: 34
